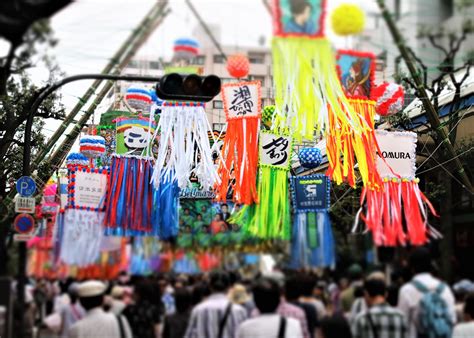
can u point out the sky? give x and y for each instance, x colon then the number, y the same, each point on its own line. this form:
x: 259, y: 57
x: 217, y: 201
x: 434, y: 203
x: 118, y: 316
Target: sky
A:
x: 90, y: 31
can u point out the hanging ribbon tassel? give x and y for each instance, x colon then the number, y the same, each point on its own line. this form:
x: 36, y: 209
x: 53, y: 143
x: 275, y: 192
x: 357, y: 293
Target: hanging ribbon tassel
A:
x: 184, y: 146
x: 129, y: 197
x: 165, y: 208
x: 385, y: 210
x: 238, y: 170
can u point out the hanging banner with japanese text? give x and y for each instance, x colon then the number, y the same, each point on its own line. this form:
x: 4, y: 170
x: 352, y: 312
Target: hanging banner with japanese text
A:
x: 275, y: 150
x: 87, y: 188
x: 242, y: 99
x: 397, y: 154
x: 310, y: 193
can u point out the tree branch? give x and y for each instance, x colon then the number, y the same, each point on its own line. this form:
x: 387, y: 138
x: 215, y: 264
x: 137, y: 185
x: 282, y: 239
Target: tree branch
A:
x: 422, y: 65
x: 432, y: 39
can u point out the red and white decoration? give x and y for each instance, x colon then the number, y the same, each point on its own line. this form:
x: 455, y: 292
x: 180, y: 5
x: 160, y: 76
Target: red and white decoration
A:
x: 389, y: 97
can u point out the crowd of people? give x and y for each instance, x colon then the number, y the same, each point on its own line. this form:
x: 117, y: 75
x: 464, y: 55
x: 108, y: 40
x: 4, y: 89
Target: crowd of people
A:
x: 274, y: 305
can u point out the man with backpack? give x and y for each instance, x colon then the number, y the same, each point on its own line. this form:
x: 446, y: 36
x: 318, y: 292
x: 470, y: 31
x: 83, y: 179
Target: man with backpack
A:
x: 427, y: 302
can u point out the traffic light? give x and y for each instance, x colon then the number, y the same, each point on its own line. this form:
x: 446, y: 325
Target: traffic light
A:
x: 191, y: 87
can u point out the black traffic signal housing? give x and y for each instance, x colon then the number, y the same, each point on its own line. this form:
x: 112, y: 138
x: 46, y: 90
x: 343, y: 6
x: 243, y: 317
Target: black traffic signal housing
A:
x: 190, y: 87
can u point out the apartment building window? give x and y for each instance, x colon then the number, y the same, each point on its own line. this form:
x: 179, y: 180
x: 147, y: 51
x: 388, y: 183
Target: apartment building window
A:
x: 258, y: 58
x: 133, y: 64
x: 217, y: 104
x: 154, y: 65
x: 218, y: 126
x: 219, y: 58
x: 258, y: 78
x: 200, y: 60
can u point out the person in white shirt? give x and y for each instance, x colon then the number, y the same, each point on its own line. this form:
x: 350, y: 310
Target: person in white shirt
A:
x: 97, y: 322
x: 466, y: 329
x: 409, y: 296
x: 269, y: 324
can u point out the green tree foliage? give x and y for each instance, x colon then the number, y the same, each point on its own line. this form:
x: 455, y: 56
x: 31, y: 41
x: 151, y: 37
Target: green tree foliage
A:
x: 17, y: 93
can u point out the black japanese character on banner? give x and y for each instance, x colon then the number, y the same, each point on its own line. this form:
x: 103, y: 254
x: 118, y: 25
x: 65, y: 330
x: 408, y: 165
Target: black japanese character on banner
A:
x: 242, y: 103
x: 277, y: 150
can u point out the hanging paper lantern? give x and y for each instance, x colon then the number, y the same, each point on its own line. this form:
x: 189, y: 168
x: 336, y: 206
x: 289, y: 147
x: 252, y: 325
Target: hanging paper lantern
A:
x: 389, y: 97
x: 92, y: 146
x: 77, y: 159
x: 238, y: 65
x: 348, y: 19
x: 185, y: 49
x: 139, y: 98
x: 310, y: 157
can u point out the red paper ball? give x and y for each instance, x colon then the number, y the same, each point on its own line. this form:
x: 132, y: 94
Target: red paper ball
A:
x: 238, y: 65
x: 389, y: 97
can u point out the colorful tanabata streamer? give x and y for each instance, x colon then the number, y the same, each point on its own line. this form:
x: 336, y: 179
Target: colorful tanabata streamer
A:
x: 134, y: 206
x: 270, y: 218
x: 309, y: 97
x: 184, y: 146
x: 312, y: 242
x: 238, y: 170
x: 397, y: 214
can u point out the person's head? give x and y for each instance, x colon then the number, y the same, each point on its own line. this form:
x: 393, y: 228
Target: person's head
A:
x: 199, y: 217
x: 218, y: 217
x: 375, y: 290
x: 142, y: 291
x: 266, y: 295
x: 420, y: 260
x: 292, y: 288
x: 300, y: 10
x: 117, y: 292
x: 91, y: 294
x: 224, y: 207
x: 355, y: 272
x: 307, y: 285
x: 203, y: 208
x: 469, y: 307
x: 335, y: 327
x: 219, y: 281
x: 186, y: 211
x: 200, y: 291
x: 73, y: 292
x: 182, y: 299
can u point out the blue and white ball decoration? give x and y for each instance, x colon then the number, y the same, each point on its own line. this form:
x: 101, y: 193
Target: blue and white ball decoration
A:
x: 139, y: 98
x: 310, y: 157
x: 92, y: 146
x: 185, y: 49
x: 77, y: 159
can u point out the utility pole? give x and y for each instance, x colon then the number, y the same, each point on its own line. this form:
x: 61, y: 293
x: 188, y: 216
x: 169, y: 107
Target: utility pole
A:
x: 431, y: 113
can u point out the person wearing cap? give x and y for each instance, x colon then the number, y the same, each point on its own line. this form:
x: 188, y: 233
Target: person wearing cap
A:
x: 72, y: 312
x: 116, y: 303
x: 97, y: 322
x: 239, y: 295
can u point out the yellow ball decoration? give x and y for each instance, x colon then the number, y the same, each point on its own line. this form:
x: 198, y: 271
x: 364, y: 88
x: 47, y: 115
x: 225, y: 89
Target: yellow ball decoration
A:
x: 348, y: 19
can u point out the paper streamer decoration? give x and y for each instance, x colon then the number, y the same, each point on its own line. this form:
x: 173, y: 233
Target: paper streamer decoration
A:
x: 134, y: 134
x: 81, y: 236
x: 309, y: 97
x: 312, y: 242
x: 129, y: 201
x: 270, y: 218
x: 397, y: 214
x: 238, y: 170
x: 92, y: 146
x: 139, y: 98
x: 184, y: 147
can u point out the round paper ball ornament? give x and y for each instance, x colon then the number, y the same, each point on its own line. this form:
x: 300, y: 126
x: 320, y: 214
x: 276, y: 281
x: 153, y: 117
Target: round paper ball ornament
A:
x: 348, y: 19
x: 139, y: 98
x: 238, y: 65
x: 389, y: 97
x: 76, y: 159
x: 92, y: 146
x: 310, y: 157
x: 185, y: 49
x: 267, y: 114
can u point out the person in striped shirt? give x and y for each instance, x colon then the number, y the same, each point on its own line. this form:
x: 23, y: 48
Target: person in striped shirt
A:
x: 381, y: 320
